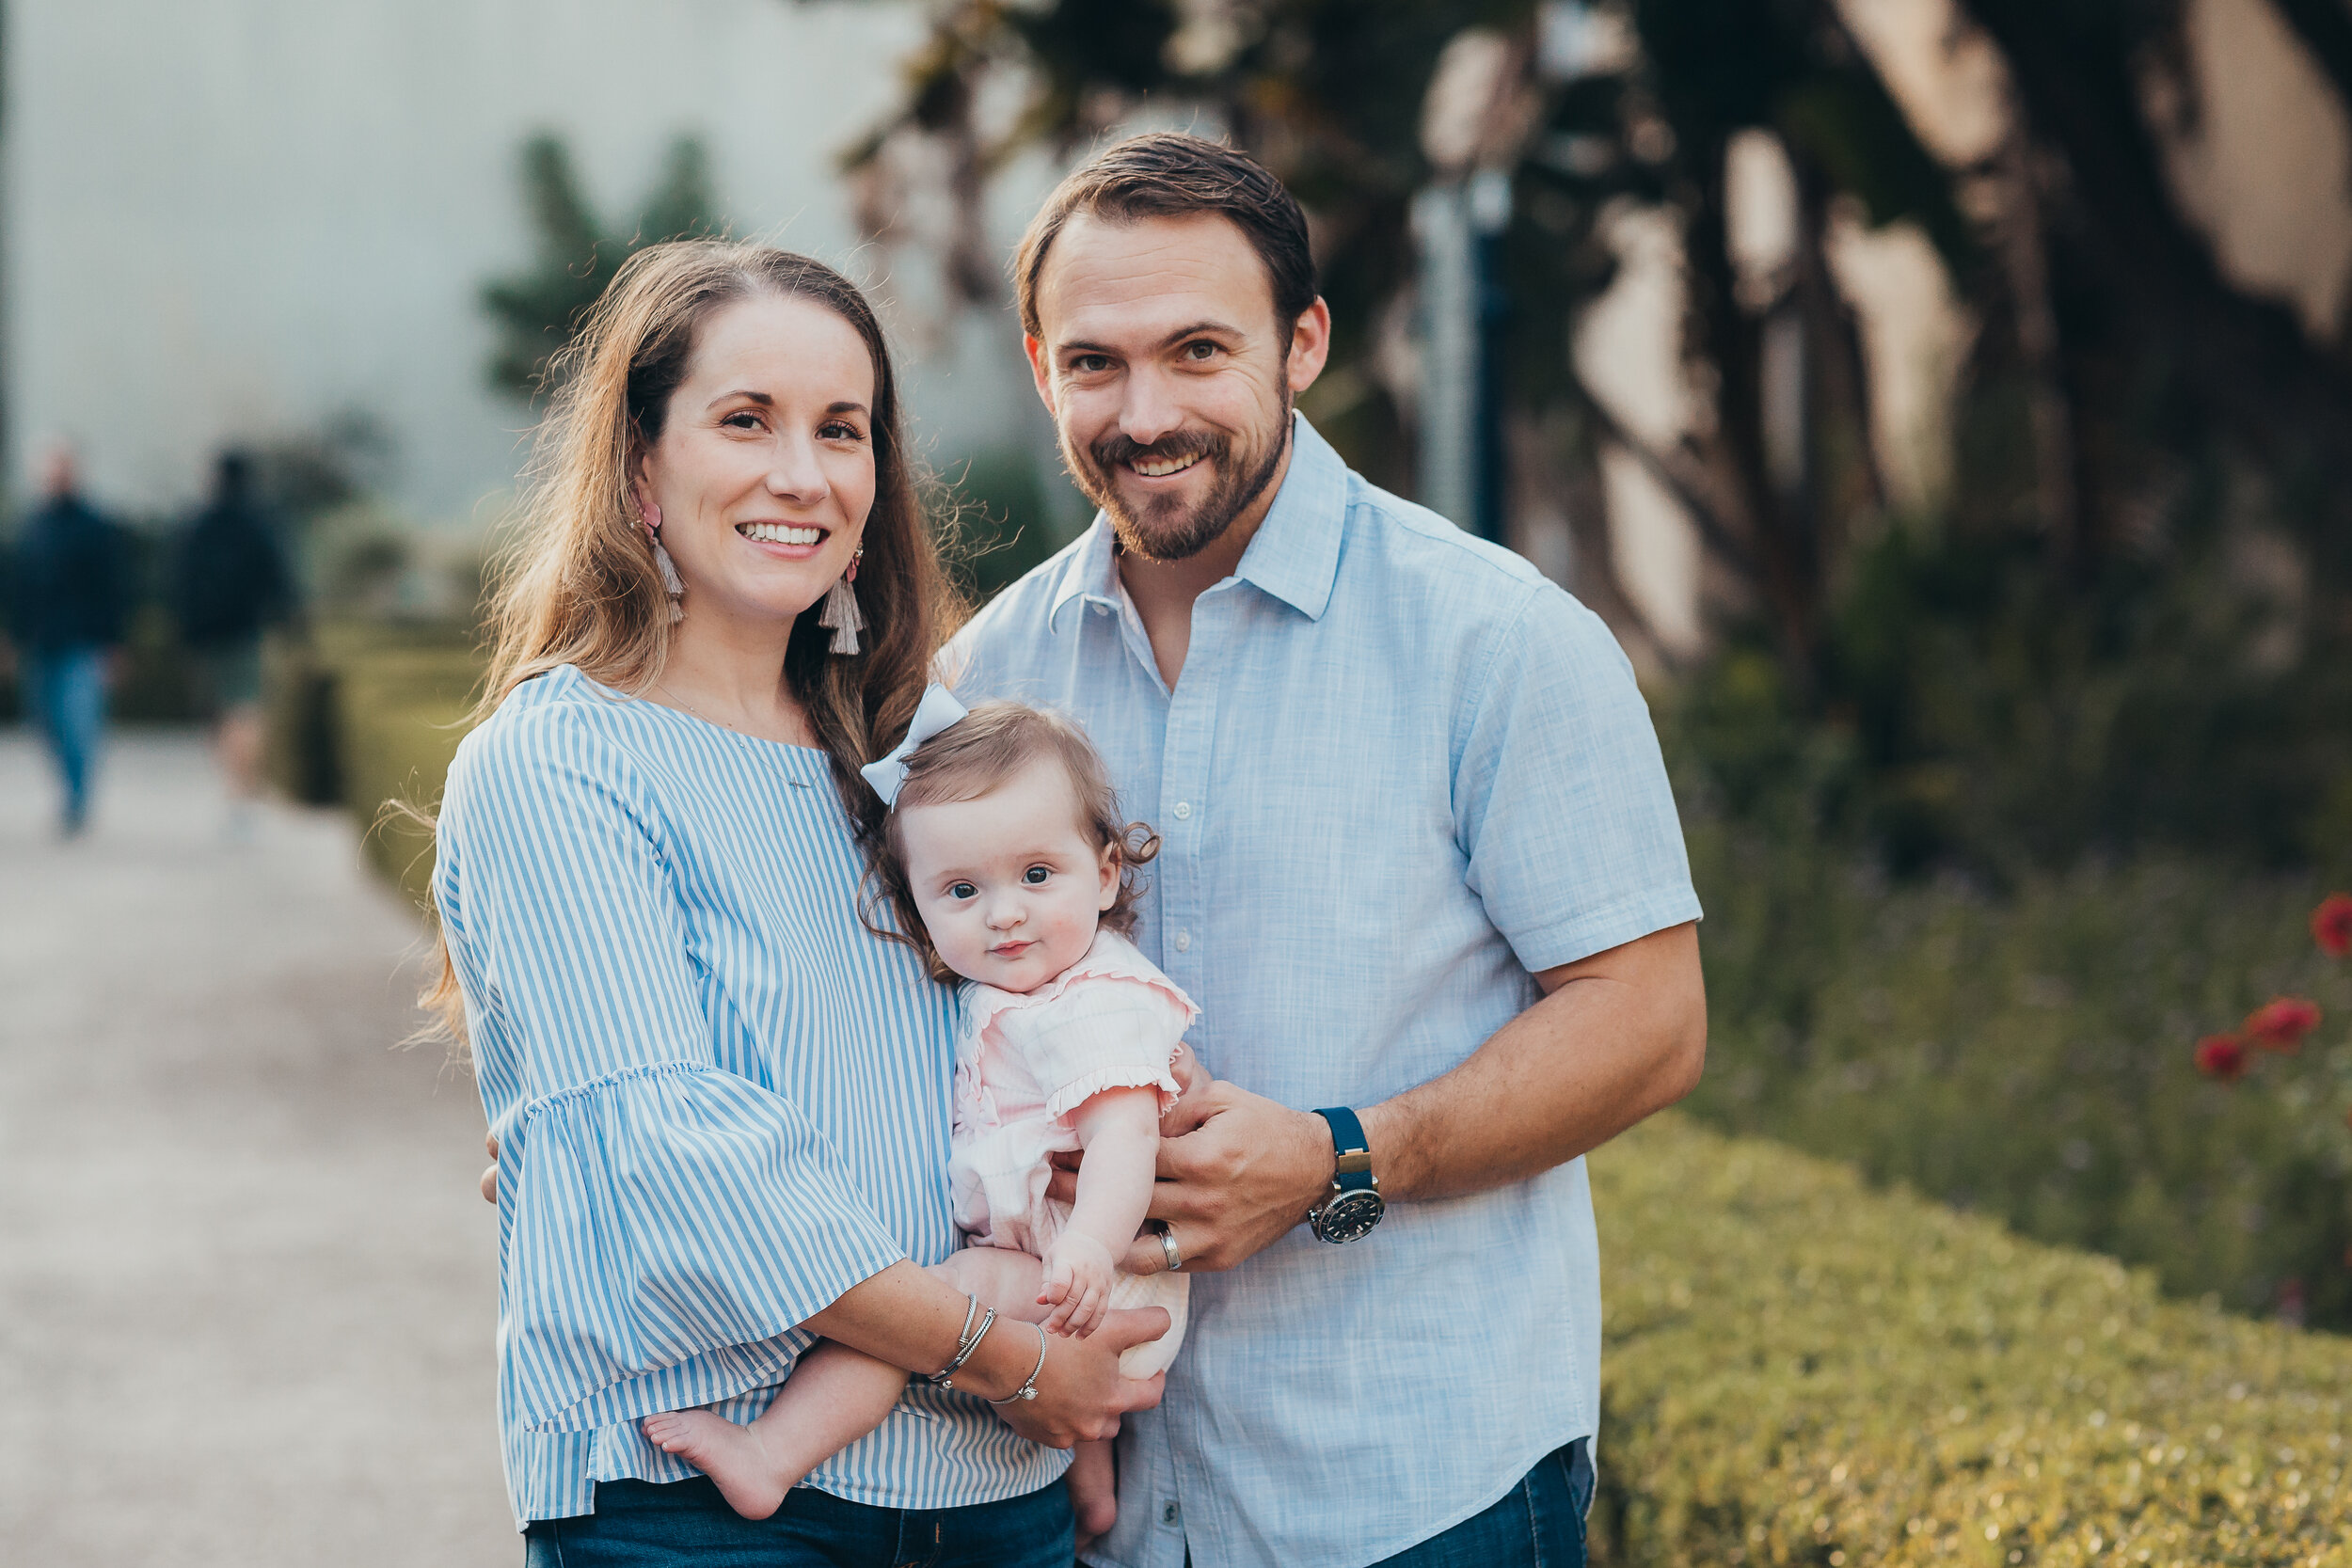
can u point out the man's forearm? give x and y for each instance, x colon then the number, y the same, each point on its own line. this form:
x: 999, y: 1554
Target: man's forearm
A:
x: 1619, y: 1036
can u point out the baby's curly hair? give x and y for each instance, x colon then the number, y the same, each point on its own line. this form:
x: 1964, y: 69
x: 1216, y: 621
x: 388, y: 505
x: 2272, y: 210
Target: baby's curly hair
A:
x: 964, y: 761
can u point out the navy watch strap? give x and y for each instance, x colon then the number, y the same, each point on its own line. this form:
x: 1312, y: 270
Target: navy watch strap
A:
x: 1352, y: 1155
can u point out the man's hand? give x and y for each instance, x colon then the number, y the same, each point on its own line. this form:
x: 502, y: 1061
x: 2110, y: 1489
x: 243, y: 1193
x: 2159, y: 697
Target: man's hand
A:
x: 1192, y: 1094
x: 490, y: 1177
x: 1232, y: 1187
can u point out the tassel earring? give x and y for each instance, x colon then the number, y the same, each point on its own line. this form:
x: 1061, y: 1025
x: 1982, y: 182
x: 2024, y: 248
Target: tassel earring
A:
x: 841, y: 615
x: 650, y: 520
x: 670, y: 583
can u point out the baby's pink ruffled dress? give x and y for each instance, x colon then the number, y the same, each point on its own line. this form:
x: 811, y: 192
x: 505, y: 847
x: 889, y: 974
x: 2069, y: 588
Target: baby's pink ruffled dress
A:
x: 1025, y: 1063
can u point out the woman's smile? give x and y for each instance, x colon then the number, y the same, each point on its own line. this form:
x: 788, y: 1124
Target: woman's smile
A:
x: 790, y: 534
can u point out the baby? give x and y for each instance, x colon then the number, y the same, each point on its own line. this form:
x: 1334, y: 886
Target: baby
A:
x: 1005, y: 863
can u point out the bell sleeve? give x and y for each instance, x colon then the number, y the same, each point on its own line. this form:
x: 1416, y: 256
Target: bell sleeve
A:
x: 665, y: 1224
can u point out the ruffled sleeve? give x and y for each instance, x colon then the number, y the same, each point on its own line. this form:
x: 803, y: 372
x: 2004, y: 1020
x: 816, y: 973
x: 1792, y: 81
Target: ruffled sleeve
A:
x: 665, y: 1224
x: 1112, y: 1020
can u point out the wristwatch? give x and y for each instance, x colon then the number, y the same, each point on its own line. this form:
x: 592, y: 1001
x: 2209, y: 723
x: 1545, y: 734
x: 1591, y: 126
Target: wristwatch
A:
x: 1354, y: 1205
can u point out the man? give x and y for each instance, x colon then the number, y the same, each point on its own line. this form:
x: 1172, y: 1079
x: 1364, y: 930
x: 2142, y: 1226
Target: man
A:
x: 1421, y: 871
x: 70, y: 595
x: 231, y: 584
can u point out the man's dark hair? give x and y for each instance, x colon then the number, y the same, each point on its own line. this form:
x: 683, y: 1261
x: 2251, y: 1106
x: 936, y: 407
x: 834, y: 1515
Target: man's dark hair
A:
x: 1167, y: 175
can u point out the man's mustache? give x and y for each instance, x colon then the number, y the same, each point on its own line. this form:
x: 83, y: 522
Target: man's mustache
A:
x: 1175, y: 447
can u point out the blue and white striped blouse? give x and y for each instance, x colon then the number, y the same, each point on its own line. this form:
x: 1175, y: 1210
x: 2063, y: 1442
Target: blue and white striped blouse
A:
x: 719, y: 1101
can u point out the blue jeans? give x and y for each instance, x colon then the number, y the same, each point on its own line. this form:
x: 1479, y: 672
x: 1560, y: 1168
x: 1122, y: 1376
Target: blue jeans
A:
x: 66, y: 691
x: 639, y: 1523
x: 1538, y: 1523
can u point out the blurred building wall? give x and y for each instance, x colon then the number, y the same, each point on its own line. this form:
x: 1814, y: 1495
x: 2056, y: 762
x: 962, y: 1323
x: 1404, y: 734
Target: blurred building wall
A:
x: 248, y: 219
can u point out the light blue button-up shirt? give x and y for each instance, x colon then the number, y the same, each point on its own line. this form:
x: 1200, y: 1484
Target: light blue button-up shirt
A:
x: 1399, y: 772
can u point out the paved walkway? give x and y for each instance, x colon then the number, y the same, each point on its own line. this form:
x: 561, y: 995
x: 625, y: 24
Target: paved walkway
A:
x: 247, y: 1287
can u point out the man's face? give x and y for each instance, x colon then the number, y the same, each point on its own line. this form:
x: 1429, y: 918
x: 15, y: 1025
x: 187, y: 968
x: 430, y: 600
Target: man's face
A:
x: 1169, y: 380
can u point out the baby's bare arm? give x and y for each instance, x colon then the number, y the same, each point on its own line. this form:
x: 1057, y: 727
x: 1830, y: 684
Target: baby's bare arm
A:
x: 1120, y: 1130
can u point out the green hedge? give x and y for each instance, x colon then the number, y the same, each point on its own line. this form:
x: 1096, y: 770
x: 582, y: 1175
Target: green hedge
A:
x: 1801, y: 1370
x: 2030, y: 1054
x: 369, y: 715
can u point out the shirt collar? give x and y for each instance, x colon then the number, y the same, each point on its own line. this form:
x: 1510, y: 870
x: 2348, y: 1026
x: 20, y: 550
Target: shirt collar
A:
x: 1295, y: 556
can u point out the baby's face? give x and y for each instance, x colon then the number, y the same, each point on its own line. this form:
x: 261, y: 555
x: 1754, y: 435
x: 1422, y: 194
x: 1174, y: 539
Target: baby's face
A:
x: 1006, y: 883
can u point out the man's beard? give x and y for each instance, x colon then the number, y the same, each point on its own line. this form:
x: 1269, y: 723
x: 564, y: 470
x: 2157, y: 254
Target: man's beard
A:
x: 1167, y: 529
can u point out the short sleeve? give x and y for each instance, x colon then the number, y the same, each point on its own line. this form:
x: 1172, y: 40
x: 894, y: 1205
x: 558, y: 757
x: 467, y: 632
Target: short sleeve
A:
x: 1561, y: 800
x: 1104, y: 1032
x: 656, y: 1210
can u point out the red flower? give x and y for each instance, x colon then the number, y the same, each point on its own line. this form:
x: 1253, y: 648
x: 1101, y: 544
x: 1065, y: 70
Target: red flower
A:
x: 2280, y: 1024
x: 2331, y: 925
x: 2223, y: 1057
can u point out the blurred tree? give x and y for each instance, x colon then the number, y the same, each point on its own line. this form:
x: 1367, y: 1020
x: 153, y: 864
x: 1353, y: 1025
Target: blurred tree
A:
x: 2063, y: 657
x: 1332, y: 96
x: 538, y: 310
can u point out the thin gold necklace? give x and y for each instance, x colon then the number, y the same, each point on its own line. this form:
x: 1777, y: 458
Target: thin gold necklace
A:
x: 735, y: 729
x: 663, y: 687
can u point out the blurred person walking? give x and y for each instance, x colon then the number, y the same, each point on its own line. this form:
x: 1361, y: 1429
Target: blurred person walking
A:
x: 230, y: 585
x: 70, y: 598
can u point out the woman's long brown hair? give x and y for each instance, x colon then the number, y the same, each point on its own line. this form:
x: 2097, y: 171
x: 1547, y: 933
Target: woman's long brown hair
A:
x: 579, y: 585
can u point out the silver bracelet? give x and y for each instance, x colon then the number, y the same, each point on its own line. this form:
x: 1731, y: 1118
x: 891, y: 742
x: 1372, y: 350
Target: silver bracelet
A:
x: 1028, y: 1389
x: 967, y: 1341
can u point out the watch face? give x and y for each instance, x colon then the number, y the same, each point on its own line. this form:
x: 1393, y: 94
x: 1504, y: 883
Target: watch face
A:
x: 1349, y: 1216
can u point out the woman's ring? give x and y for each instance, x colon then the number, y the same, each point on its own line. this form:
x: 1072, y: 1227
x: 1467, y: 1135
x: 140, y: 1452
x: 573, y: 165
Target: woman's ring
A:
x: 1168, y: 1248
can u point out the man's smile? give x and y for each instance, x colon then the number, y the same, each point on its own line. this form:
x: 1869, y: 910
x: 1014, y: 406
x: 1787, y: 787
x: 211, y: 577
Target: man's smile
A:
x: 1161, y: 468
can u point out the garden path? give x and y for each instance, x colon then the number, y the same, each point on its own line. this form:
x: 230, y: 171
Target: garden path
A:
x: 247, y: 1285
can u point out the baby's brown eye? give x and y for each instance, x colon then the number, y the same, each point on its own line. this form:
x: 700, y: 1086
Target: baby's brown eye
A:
x: 962, y: 890
x: 1035, y: 875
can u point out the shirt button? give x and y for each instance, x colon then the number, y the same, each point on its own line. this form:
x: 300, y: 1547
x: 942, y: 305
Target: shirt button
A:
x: 1183, y: 944
x: 1168, y: 1514
x: 1102, y: 609
x: 1184, y: 809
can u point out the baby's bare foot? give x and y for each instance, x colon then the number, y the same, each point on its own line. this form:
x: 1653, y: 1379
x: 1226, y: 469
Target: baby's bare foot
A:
x: 752, y: 1480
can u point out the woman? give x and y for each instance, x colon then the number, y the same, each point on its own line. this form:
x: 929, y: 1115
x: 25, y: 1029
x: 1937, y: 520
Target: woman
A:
x: 721, y: 1105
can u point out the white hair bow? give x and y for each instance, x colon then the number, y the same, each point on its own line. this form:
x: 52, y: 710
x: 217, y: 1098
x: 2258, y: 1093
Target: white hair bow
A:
x: 935, y: 712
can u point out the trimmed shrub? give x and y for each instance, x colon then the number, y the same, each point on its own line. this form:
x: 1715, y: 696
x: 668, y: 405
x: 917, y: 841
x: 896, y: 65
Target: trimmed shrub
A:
x: 370, y: 715
x: 1801, y: 1371
x: 2030, y: 1055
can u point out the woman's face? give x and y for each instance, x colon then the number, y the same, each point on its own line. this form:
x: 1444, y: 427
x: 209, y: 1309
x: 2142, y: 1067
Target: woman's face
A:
x: 765, y: 469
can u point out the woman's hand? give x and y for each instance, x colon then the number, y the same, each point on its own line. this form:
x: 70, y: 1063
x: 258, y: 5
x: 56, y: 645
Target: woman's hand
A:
x: 490, y: 1177
x: 1077, y: 1284
x: 1081, y: 1393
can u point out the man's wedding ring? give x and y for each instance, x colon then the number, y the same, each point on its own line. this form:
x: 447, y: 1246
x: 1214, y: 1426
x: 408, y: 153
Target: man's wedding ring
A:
x: 1168, y: 1248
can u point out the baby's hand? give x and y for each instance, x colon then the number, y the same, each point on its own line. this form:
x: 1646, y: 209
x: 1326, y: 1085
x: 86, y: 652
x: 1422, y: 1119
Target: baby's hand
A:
x: 1078, y: 1271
